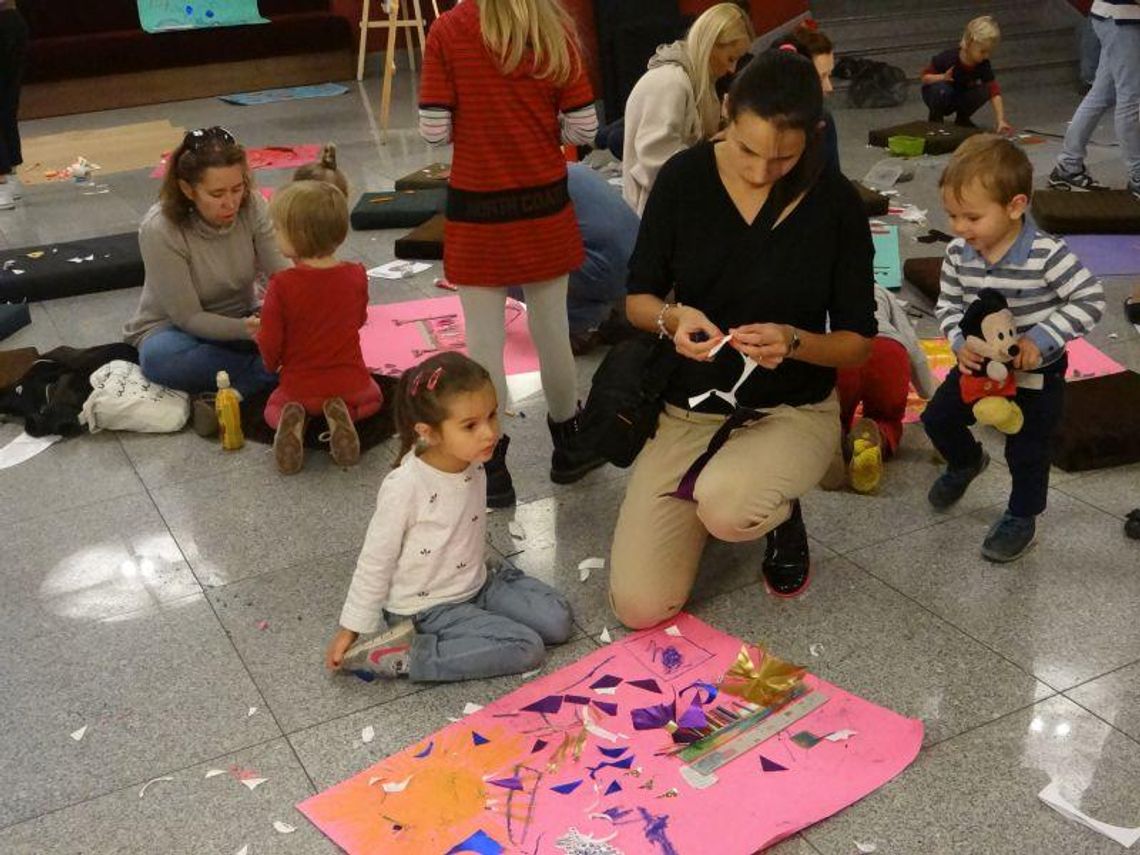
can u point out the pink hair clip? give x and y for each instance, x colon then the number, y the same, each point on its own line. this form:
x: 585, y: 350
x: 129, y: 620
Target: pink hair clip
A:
x: 789, y: 47
x: 435, y: 375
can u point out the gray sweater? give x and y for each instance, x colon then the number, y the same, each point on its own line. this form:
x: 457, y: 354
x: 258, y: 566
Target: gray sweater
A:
x: 200, y: 278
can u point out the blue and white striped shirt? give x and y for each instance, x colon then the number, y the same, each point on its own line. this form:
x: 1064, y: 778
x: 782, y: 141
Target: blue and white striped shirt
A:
x: 1054, y: 299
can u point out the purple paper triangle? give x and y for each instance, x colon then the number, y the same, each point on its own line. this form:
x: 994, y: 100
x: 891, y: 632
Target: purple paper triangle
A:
x: 479, y: 740
x: 607, y: 707
x: 539, y: 744
x: 649, y: 685
x: 577, y: 699
x: 613, y: 752
x: 614, y: 787
x: 771, y: 765
x: 479, y: 842
x: 550, y: 704
x: 606, y: 681
x: 507, y: 783
x: 425, y: 752
x: 693, y: 717
x: 567, y: 788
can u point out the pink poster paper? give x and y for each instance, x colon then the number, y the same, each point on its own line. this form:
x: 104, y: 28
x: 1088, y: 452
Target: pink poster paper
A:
x: 1085, y: 361
x: 272, y: 157
x: 508, y: 779
x: 400, y: 335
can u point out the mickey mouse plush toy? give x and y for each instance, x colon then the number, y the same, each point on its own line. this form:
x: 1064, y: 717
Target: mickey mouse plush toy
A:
x: 990, y: 332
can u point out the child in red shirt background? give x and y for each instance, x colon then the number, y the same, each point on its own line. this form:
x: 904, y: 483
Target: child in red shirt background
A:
x: 310, y: 327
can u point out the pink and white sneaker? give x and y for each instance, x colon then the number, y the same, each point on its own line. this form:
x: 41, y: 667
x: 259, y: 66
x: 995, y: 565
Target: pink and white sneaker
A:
x: 385, y: 655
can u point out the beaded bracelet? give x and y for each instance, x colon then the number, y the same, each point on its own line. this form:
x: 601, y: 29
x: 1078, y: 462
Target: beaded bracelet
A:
x: 662, y: 332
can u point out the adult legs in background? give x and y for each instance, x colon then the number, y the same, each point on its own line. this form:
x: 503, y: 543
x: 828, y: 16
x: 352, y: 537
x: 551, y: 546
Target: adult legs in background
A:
x: 13, y: 48
x: 181, y: 361
x: 1089, y: 52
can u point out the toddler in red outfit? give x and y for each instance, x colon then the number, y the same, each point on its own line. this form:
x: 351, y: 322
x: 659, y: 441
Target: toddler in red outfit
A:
x: 310, y: 327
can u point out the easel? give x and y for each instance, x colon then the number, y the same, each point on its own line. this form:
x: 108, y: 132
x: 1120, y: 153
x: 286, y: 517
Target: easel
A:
x: 414, y: 21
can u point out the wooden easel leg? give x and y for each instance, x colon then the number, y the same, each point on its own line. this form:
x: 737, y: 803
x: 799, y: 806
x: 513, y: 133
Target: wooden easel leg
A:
x: 420, y: 25
x: 409, y: 11
x: 363, y: 40
x: 389, y: 69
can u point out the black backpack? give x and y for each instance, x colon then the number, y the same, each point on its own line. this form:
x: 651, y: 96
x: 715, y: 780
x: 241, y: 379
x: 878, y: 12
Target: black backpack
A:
x: 874, y: 83
x: 625, y: 398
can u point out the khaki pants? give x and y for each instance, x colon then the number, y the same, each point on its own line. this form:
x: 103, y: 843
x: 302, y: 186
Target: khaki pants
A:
x: 744, y: 492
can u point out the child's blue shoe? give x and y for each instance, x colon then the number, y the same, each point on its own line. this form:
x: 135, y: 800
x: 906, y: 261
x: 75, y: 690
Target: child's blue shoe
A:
x: 1009, y: 538
x: 951, y: 484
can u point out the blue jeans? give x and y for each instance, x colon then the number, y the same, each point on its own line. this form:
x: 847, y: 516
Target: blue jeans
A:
x: 503, y: 630
x: 1117, y: 84
x: 181, y: 361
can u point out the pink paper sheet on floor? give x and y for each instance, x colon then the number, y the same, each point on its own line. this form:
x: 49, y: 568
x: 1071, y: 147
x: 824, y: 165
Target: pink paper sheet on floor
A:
x: 272, y: 157
x: 399, y: 335
x: 1085, y: 361
x: 492, y: 782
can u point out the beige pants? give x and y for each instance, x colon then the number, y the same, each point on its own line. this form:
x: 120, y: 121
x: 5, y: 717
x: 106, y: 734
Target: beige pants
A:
x: 744, y: 492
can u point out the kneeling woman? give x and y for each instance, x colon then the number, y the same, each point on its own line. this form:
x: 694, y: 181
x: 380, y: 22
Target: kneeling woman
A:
x: 759, y: 242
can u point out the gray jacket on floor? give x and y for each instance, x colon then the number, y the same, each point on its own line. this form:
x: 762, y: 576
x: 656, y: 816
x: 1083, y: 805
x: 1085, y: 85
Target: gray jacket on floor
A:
x: 895, y: 325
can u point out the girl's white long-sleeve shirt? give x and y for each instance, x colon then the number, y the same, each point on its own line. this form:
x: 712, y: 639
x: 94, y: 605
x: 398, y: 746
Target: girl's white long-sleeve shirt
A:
x: 425, y: 545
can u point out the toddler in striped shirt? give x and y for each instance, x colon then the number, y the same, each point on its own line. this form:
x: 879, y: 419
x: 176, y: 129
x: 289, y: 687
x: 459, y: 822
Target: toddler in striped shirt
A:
x: 1053, y: 298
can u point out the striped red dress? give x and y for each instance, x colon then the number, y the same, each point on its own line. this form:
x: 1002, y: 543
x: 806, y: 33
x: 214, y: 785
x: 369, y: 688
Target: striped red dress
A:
x: 509, y: 216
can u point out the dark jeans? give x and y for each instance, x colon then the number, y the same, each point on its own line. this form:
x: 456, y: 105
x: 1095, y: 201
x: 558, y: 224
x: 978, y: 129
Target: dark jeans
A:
x: 181, y: 361
x: 947, y: 420
x: 944, y: 99
x: 13, y: 48
x: 611, y: 138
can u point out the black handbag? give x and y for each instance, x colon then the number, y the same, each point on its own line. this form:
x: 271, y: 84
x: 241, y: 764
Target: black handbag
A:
x: 626, y: 396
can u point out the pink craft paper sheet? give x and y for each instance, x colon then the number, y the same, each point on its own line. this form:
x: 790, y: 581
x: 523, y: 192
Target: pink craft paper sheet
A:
x: 1085, y: 361
x: 400, y: 335
x: 448, y: 793
x: 274, y: 157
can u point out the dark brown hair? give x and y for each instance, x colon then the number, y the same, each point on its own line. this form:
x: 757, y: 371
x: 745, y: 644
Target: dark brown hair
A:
x: 313, y: 217
x: 324, y: 170
x: 998, y: 164
x: 424, y: 390
x: 783, y: 88
x: 189, y: 163
x: 807, y: 39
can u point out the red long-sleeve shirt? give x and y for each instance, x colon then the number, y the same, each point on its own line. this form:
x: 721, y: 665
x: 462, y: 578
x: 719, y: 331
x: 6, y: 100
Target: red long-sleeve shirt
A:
x: 310, y: 330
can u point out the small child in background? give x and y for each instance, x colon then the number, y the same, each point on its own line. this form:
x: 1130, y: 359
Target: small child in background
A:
x: 324, y: 169
x: 310, y: 327
x: 1054, y: 300
x: 423, y: 556
x: 882, y: 386
x: 961, y: 80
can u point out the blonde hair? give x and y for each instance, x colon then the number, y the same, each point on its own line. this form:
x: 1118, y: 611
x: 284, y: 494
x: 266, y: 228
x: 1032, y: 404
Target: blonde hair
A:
x: 718, y: 25
x: 513, y: 28
x: 996, y: 163
x: 312, y: 215
x: 324, y: 170
x: 983, y: 31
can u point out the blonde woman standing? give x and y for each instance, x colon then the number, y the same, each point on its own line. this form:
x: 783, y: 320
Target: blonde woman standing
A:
x: 503, y: 80
x: 674, y: 105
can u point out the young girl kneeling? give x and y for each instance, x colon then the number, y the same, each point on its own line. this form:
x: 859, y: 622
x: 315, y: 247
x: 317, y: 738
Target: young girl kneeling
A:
x: 423, y: 555
x: 310, y: 327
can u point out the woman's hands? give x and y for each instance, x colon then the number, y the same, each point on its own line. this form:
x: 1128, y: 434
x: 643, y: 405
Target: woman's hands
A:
x: 343, y: 640
x: 252, y: 325
x: 695, y: 335
x: 766, y: 344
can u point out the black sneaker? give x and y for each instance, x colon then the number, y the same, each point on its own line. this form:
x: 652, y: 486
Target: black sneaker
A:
x: 1132, y: 309
x: 951, y: 484
x: 500, y: 488
x: 1132, y: 524
x: 574, y: 453
x: 1009, y: 538
x: 787, y: 562
x: 1061, y: 180
x: 964, y: 122
x: 933, y: 116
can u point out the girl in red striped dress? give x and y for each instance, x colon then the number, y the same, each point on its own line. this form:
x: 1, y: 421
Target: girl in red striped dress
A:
x: 504, y: 81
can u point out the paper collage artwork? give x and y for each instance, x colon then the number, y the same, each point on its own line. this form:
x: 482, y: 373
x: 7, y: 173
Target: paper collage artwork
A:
x: 160, y: 16
x: 589, y: 760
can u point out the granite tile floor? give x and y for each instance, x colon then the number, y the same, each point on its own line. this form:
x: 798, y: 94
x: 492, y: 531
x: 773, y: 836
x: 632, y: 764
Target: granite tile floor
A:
x: 175, y: 600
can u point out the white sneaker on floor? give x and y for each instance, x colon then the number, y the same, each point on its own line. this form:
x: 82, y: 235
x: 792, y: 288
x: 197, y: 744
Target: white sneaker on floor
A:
x: 16, y: 186
x: 7, y: 199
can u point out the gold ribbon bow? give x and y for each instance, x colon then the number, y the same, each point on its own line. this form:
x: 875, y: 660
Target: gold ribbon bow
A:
x: 770, y: 683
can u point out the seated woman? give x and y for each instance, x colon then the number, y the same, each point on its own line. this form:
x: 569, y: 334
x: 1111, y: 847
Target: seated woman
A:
x: 204, y: 244
x: 762, y: 244
x: 809, y: 41
x: 674, y: 105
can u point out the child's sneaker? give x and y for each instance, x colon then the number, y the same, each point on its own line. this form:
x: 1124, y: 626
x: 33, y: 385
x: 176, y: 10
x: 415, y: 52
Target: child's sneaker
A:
x: 289, y: 441
x: 951, y: 484
x: 1009, y: 538
x: 344, y: 443
x: 385, y: 655
x: 865, y: 470
x: 1059, y: 179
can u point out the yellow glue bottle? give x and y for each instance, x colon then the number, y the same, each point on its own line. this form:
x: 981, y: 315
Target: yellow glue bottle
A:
x: 227, y: 406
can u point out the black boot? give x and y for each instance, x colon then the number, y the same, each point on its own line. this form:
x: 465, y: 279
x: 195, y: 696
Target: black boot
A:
x: 574, y: 455
x: 500, y: 489
x: 787, y: 564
